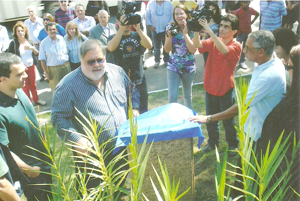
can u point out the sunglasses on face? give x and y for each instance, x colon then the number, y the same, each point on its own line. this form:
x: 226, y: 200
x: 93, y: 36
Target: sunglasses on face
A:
x: 46, y: 19
x: 93, y: 62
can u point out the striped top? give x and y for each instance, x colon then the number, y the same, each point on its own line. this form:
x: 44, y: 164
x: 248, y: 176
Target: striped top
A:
x: 75, y: 90
x: 271, y: 13
x: 73, y: 47
x: 245, y: 19
x: 63, y: 17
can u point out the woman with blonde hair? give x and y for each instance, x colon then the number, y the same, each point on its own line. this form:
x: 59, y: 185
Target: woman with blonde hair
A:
x: 21, y: 47
x: 47, y: 17
x: 73, y: 39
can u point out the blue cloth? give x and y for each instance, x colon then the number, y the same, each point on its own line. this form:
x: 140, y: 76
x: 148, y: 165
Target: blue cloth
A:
x: 269, y: 84
x: 168, y: 122
x: 159, y: 16
x: 43, y: 34
x: 75, y: 90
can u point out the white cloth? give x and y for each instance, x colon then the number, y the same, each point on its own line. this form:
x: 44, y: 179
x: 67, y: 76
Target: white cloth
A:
x: 34, y: 29
x: 86, y: 24
x: 4, y: 39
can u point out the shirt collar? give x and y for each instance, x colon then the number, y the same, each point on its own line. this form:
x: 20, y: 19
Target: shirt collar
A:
x: 6, y: 100
x: 85, y: 18
x: 104, y: 27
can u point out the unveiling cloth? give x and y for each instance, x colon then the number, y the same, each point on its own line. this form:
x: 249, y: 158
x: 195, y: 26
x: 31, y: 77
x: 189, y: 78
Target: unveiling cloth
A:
x: 168, y: 122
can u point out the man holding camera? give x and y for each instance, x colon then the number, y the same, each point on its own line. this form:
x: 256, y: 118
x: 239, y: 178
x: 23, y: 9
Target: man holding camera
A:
x: 224, y: 53
x: 128, y: 48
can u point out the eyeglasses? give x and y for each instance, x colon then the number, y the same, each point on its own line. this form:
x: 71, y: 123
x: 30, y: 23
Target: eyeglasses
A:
x: 250, y: 49
x: 46, y: 19
x: 93, y: 62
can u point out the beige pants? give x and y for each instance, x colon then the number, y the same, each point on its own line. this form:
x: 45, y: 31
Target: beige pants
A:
x: 57, y: 73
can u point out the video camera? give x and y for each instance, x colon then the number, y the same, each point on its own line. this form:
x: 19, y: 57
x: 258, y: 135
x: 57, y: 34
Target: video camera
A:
x: 128, y: 9
x: 174, y: 29
x: 203, y: 13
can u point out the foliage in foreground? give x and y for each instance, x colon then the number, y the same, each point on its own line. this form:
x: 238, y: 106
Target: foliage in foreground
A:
x: 257, y: 170
x: 69, y: 187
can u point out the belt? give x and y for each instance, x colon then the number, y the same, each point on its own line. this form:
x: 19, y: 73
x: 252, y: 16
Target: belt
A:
x: 59, y: 65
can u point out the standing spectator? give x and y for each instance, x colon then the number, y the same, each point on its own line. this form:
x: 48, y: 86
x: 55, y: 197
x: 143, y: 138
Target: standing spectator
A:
x: 284, y: 118
x: 149, y: 34
x: 158, y: 16
x: 285, y: 39
x: 47, y: 17
x: 244, y: 14
x: 232, y: 6
x: 4, y: 39
x: 54, y: 56
x: 20, y: 133
x: 21, y: 47
x: 83, y: 22
x: 128, y: 48
x: 213, y: 23
x: 103, y: 30
x: 181, y: 65
x: 224, y: 53
x: 189, y: 4
x: 93, y: 8
x: 271, y: 13
x: 64, y: 14
x: 292, y: 14
x: 34, y: 25
x: 74, y: 39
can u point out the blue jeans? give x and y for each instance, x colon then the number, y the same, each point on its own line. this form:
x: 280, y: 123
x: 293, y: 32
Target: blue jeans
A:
x: 173, y: 85
x: 158, y: 41
x: 216, y: 104
x: 242, y: 39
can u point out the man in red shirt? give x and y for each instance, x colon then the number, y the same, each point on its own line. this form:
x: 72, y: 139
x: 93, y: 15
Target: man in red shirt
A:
x: 224, y: 53
x: 244, y: 14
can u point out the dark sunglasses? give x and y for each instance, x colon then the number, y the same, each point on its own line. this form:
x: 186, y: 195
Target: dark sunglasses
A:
x: 46, y: 19
x: 93, y: 62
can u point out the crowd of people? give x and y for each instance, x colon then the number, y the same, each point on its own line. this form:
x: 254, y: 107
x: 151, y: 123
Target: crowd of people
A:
x: 93, y: 66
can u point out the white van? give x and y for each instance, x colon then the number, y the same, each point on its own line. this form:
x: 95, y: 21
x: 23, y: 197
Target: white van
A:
x: 12, y: 10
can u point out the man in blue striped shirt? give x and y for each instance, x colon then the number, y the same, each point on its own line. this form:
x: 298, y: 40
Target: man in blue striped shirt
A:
x: 96, y: 89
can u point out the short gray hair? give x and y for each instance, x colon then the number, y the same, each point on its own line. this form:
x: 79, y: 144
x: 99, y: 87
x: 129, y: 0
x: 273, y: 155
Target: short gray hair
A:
x: 32, y: 7
x: 90, y: 44
x: 263, y: 39
x: 103, y: 11
x: 79, y: 5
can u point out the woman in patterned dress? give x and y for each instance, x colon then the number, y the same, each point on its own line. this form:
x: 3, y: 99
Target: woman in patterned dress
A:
x: 181, y: 65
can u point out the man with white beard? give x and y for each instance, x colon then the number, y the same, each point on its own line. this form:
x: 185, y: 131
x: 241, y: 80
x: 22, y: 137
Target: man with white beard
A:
x: 96, y: 89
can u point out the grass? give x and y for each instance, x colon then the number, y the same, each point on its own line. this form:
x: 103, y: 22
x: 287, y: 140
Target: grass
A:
x: 205, y: 164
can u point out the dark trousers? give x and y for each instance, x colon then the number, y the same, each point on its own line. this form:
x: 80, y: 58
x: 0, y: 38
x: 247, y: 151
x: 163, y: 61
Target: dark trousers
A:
x: 242, y: 39
x: 142, y: 88
x: 37, y: 188
x: 216, y: 104
x: 158, y: 41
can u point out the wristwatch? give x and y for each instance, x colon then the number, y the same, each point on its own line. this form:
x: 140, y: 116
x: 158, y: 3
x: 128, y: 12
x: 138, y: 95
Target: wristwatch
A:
x: 209, y: 118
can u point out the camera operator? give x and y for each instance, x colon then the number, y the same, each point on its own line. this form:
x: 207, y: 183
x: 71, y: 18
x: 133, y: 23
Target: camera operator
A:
x: 224, y: 53
x: 181, y: 65
x: 128, y: 48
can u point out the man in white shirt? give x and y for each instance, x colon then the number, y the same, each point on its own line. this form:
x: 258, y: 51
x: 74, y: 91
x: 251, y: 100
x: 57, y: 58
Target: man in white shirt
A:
x: 84, y: 23
x: 34, y: 25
